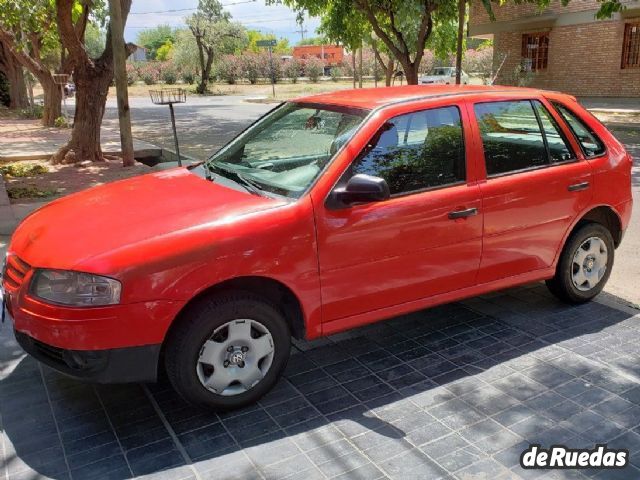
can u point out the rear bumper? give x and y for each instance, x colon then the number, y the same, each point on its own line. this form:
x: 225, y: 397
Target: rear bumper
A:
x: 117, y: 365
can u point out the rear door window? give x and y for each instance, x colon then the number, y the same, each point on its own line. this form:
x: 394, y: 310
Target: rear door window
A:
x: 591, y: 145
x: 559, y: 149
x: 511, y: 136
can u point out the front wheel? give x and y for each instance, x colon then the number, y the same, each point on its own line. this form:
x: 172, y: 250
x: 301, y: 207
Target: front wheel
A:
x: 585, y: 264
x: 228, y: 350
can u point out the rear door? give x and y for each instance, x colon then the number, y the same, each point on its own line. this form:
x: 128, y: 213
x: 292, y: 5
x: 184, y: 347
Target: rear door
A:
x: 536, y: 184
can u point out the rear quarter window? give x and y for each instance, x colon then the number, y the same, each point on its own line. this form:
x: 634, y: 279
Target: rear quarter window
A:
x: 589, y: 142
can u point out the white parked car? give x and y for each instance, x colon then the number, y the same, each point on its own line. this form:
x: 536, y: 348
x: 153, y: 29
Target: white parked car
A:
x: 444, y: 76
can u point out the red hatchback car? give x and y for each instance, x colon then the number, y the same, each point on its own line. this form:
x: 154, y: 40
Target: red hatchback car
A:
x: 330, y: 212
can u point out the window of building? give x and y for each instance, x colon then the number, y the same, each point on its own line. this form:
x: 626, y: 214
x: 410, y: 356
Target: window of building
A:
x: 631, y: 46
x: 511, y: 136
x: 591, y: 145
x: 535, y: 51
x: 417, y: 151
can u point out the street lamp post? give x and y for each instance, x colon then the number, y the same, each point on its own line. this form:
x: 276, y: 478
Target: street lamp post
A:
x: 374, y: 43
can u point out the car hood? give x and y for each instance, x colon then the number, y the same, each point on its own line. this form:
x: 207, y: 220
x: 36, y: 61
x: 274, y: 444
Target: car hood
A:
x: 93, y: 222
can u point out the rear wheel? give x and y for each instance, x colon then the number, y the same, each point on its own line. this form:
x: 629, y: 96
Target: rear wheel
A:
x: 228, y: 350
x: 585, y: 264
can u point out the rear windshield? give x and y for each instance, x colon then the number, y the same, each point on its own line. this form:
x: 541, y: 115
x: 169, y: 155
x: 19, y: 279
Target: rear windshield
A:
x: 591, y: 145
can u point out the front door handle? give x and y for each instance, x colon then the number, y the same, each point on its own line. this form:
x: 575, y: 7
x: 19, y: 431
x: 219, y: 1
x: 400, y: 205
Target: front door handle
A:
x: 577, y: 187
x: 463, y: 213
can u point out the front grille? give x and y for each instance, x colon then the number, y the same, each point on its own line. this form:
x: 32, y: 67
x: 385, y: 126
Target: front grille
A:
x: 14, y: 272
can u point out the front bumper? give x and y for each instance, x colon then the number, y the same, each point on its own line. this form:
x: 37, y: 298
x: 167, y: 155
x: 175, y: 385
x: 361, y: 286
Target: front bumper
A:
x: 117, y: 365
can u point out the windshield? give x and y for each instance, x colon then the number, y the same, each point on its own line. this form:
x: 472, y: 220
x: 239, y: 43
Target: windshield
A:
x: 441, y: 71
x: 285, y: 151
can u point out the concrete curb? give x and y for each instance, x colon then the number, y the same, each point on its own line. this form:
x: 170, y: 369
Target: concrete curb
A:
x: 8, y: 221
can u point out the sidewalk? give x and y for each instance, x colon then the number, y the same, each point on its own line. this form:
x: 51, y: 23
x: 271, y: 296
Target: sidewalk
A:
x: 28, y: 140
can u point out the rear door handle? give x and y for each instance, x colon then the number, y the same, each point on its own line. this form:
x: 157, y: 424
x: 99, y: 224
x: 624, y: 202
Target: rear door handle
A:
x: 576, y: 187
x: 469, y: 212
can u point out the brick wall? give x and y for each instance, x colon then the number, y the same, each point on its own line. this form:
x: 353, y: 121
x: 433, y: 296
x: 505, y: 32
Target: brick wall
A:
x: 512, y: 11
x: 583, y: 60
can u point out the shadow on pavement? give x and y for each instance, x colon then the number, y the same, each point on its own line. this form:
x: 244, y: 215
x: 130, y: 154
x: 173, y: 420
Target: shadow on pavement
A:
x: 455, y: 390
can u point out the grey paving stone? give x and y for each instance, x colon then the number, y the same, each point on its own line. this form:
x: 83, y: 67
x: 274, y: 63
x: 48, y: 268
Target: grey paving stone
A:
x: 413, y: 465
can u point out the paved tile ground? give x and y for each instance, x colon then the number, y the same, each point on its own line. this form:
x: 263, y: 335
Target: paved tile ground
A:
x: 458, y: 391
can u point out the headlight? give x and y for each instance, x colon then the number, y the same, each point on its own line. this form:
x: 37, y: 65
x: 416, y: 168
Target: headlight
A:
x: 75, y: 288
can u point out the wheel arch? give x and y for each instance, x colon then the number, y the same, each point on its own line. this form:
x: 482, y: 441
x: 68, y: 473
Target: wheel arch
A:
x: 270, y: 289
x: 605, y: 215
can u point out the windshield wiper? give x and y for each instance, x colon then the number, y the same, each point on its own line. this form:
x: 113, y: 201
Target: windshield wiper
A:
x: 237, y: 177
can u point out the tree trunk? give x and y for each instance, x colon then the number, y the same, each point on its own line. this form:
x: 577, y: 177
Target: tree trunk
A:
x: 15, y: 76
x: 388, y: 72
x: 462, y: 10
x: 353, y: 65
x: 92, y: 86
x: 411, y: 72
x: 52, y: 100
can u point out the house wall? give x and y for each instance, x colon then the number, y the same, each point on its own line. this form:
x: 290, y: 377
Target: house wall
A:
x: 585, y: 54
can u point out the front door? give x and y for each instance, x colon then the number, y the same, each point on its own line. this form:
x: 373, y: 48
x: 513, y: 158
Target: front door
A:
x: 425, y: 240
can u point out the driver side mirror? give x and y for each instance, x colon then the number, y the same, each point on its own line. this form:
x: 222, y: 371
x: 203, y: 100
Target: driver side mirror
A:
x: 361, y: 189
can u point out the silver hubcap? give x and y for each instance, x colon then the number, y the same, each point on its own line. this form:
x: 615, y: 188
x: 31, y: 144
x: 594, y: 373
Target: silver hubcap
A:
x: 589, y: 264
x: 236, y: 357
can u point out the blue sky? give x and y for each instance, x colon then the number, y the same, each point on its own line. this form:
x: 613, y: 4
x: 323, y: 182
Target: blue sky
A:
x: 276, y: 19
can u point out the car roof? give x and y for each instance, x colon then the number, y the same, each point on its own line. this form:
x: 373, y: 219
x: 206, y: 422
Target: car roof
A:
x: 370, y: 98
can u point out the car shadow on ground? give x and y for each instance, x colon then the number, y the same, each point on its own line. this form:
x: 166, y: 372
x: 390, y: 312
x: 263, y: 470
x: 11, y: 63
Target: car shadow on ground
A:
x: 455, y: 390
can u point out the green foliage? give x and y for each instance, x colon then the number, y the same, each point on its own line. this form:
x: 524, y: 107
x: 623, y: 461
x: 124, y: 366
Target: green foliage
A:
x: 188, y: 77
x: 336, y: 73
x: 319, y: 40
x: 61, y: 122
x: 34, y: 112
x: 95, y: 39
x: 22, y: 169
x: 292, y: 69
x: 185, y: 52
x: 314, y: 68
x: 169, y: 75
x: 253, y: 36
x: 165, y: 52
x: 29, y: 191
x: 154, y: 38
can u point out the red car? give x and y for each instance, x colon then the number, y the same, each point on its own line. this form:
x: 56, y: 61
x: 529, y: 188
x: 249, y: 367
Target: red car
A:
x: 330, y: 212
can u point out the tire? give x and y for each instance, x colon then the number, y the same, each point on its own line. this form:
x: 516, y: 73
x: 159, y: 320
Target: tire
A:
x: 568, y: 285
x: 207, y: 346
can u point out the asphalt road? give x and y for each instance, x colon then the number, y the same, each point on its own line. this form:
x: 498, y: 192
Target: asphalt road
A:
x: 205, y: 124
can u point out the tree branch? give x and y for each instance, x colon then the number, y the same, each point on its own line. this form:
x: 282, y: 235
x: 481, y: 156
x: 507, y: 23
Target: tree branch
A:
x: 68, y: 34
x: 364, y: 8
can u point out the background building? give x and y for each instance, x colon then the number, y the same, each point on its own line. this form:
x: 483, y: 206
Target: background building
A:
x: 564, y: 48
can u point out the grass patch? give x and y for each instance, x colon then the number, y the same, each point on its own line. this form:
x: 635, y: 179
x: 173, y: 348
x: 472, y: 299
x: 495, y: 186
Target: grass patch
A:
x: 29, y: 191
x: 23, y: 169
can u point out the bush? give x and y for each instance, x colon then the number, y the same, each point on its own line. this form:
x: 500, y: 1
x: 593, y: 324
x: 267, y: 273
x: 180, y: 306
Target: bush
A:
x: 30, y: 191
x: 23, y: 169
x: 292, y: 70
x: 269, y: 69
x: 169, y: 76
x: 251, y: 67
x: 35, y: 112
x: 188, y: 77
x: 4, y: 90
x: 149, y: 73
x: 336, y: 73
x: 314, y: 68
x: 229, y: 69
x: 132, y: 74
x: 60, y: 122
